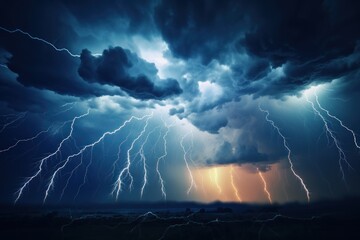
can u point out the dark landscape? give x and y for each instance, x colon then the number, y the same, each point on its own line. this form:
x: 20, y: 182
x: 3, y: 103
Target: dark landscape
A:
x: 175, y: 220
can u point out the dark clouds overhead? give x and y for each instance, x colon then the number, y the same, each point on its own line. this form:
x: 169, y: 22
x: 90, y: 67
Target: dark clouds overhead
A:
x: 113, y: 68
x: 312, y: 41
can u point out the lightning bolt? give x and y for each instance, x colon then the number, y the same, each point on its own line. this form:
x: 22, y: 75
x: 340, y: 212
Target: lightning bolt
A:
x: 162, y: 157
x: 342, y: 156
x: 91, y: 145
x: 337, y: 119
x: 43, y: 160
x: 233, y: 184
x: 85, y: 174
x: 216, y: 180
x: 143, y: 159
x: 265, y: 186
x: 288, y: 150
x: 43, y: 41
x: 70, y: 176
x: 118, y: 155
x: 24, y: 140
x: 126, y: 169
x: 192, y: 182
x: 17, y: 118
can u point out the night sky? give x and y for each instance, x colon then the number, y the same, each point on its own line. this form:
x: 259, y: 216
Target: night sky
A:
x: 122, y: 101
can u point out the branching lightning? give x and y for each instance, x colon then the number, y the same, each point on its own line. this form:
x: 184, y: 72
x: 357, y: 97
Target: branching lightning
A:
x: 288, y: 150
x: 52, y: 179
x: 118, y: 155
x: 337, y: 119
x: 126, y: 170
x: 162, y: 157
x: 43, y: 160
x: 143, y: 159
x: 192, y: 182
x: 24, y: 140
x: 265, y: 186
x: 233, y: 184
x: 43, y: 41
x: 342, y: 156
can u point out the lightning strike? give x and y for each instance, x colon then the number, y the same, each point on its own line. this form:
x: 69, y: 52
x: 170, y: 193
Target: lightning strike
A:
x: 86, y: 172
x: 126, y: 170
x: 70, y: 176
x: 44, y: 41
x: 43, y: 160
x: 342, y: 156
x: 288, y: 150
x: 216, y: 180
x: 162, y: 157
x: 143, y: 159
x: 192, y: 182
x: 233, y: 184
x: 52, y: 179
x: 118, y: 155
x: 337, y: 119
x: 18, y: 117
x: 265, y: 186
x: 24, y: 140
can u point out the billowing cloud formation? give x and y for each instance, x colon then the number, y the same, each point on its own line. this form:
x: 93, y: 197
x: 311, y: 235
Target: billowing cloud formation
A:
x: 227, y: 154
x: 114, y: 67
x: 274, y: 48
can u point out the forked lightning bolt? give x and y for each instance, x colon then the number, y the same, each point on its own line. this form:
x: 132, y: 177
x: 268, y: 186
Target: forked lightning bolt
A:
x: 143, y: 159
x: 126, y: 170
x: 192, y: 182
x: 265, y: 186
x: 342, y: 156
x: 82, y: 150
x: 43, y: 41
x: 24, y: 140
x: 288, y: 150
x: 233, y: 184
x: 162, y: 157
x: 118, y: 155
x: 216, y: 180
x: 337, y: 119
x: 43, y: 160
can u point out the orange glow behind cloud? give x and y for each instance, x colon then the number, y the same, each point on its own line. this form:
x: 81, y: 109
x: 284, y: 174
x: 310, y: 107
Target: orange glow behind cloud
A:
x: 234, y: 183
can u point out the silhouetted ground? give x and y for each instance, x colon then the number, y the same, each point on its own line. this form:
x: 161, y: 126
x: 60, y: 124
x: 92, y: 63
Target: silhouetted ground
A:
x: 322, y: 220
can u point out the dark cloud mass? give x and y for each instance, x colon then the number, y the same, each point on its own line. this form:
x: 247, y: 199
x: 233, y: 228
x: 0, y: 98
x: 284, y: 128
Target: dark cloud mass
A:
x: 307, y: 39
x: 202, y: 67
x: 113, y: 68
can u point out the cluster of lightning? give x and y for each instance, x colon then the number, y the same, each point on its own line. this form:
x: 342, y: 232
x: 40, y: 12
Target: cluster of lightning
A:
x: 43, y: 41
x: 265, y: 186
x: 192, y: 182
x: 233, y: 184
x: 43, y: 160
x: 337, y: 119
x: 288, y: 150
x: 125, y: 172
x: 342, y: 156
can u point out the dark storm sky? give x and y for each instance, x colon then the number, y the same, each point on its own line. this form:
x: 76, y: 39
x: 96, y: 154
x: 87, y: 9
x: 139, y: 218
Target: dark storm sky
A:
x: 205, y: 65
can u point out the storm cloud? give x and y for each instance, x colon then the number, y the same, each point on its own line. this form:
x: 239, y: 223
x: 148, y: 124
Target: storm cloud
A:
x: 113, y: 68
